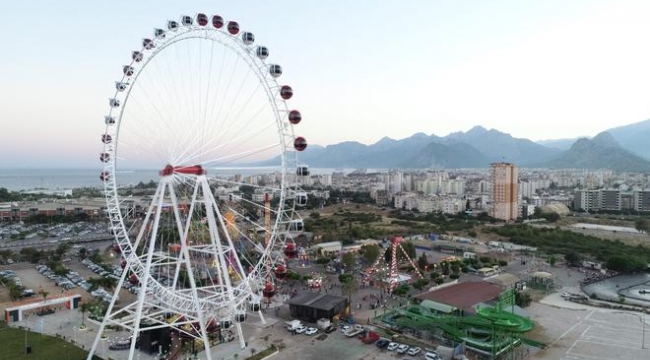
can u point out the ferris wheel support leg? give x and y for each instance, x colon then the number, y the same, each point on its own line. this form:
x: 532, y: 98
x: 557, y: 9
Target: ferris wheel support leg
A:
x: 107, y: 316
x: 147, y: 267
x: 186, y: 255
x: 212, y: 212
x: 240, y: 333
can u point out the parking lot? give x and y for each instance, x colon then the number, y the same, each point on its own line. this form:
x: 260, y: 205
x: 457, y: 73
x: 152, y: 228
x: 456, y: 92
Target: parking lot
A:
x: 584, y: 333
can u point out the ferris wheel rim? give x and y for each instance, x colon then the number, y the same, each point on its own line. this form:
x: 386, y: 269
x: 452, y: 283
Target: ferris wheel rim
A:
x: 195, y: 32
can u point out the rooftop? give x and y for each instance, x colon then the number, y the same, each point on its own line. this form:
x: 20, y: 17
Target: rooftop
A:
x: 317, y: 300
x: 464, y: 295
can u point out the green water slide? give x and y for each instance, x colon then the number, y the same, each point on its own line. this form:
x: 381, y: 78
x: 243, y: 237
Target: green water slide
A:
x: 475, y: 331
x: 506, y: 320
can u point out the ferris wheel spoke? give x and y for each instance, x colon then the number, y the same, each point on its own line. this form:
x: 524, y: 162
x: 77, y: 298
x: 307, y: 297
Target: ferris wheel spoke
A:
x: 225, y: 93
x: 229, y: 157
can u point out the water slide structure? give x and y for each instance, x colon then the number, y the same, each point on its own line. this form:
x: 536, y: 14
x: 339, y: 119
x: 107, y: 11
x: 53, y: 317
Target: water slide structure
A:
x: 492, y: 331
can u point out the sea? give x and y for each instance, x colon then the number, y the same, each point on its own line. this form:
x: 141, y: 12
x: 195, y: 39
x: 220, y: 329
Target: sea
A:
x: 61, y: 179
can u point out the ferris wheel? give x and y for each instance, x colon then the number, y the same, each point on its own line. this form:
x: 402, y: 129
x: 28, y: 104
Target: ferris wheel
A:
x: 199, y: 103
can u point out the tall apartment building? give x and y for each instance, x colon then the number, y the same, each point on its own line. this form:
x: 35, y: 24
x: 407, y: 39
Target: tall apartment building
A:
x: 642, y: 200
x: 504, y: 178
x: 611, y: 199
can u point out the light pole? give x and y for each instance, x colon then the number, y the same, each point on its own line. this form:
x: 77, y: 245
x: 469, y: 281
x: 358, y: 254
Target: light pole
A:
x: 643, y: 330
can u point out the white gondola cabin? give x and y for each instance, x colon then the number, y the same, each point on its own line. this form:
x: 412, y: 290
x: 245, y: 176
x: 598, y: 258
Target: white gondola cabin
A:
x: 255, y: 306
x: 302, y: 170
x: 240, y: 316
x: 247, y: 38
x: 262, y: 52
x: 296, y: 225
x: 186, y: 20
x: 275, y: 70
x: 301, y: 199
x: 159, y: 33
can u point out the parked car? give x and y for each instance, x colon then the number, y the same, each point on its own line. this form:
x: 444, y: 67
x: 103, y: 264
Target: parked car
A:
x: 402, y: 349
x: 329, y: 329
x: 431, y: 356
x: 301, y: 330
x: 311, y: 331
x: 392, y: 346
x: 382, y: 343
x: 414, y: 351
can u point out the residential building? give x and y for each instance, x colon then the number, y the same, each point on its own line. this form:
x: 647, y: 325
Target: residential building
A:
x: 504, y: 178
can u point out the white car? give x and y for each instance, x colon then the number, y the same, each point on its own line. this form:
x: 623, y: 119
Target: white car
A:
x: 431, y: 356
x: 301, y: 330
x: 311, y: 331
x: 414, y: 351
x: 402, y: 349
x: 392, y: 346
x: 346, y: 328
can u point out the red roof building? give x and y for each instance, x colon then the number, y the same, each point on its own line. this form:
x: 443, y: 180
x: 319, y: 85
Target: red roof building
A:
x: 464, y: 296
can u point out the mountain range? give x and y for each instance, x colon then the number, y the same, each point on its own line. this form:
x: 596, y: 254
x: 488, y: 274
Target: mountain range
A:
x: 619, y: 149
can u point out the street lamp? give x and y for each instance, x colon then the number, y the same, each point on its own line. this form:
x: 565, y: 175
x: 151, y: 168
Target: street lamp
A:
x: 643, y: 330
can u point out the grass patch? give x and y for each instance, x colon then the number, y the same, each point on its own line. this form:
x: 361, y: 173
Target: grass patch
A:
x: 44, y: 347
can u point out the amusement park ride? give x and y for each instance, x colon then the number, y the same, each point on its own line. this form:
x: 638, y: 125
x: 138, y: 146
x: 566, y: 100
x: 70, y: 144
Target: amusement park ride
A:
x: 198, y: 100
x: 378, y: 269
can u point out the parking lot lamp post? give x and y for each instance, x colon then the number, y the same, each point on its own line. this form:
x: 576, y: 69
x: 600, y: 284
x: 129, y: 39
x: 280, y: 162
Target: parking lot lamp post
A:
x: 643, y: 330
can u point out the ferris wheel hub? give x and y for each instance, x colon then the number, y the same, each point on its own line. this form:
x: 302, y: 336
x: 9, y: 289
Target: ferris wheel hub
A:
x: 186, y: 170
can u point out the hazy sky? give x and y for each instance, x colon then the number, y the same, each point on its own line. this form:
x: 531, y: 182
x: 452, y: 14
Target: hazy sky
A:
x: 360, y: 70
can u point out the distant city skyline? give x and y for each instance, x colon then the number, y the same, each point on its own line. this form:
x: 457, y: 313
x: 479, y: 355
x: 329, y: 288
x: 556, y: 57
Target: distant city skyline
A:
x: 360, y: 71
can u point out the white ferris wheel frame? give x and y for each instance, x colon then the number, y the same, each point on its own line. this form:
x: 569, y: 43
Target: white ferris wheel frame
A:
x: 286, y: 138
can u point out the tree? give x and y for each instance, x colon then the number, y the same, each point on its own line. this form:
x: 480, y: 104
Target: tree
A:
x: 44, y: 294
x: 422, y: 261
x: 552, y: 260
x: 349, y: 258
x: 642, y: 225
x: 626, y: 263
x: 85, y: 307
x: 420, y: 283
x: 15, y: 291
x: 370, y: 253
x: 573, y: 258
x: 350, y: 287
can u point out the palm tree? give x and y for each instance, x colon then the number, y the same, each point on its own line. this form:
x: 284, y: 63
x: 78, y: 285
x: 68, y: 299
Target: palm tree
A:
x: 84, y: 308
x: 350, y: 287
x: 44, y: 294
x: 15, y: 291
